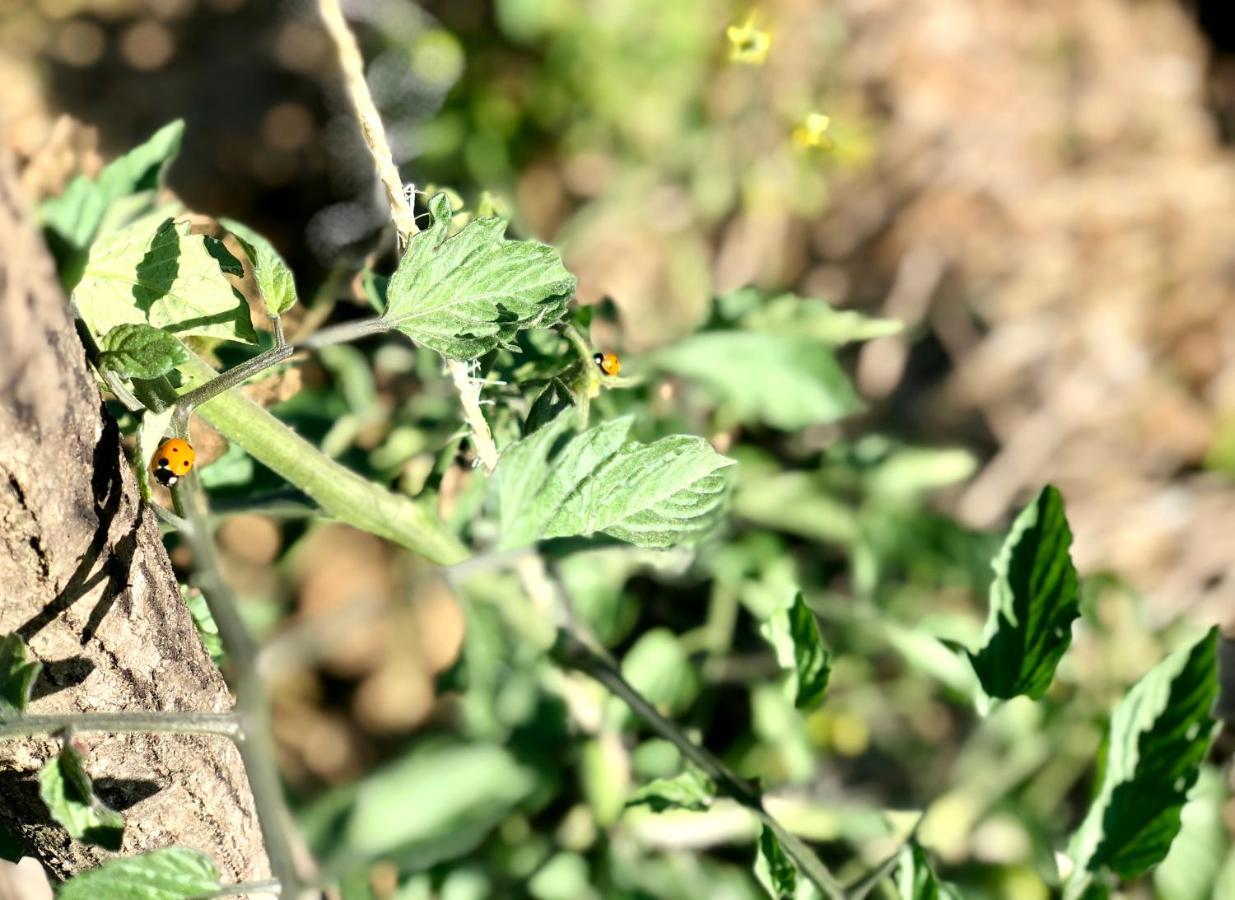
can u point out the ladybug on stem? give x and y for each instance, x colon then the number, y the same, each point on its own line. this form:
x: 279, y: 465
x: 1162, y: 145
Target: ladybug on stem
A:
x: 172, y: 461
x: 609, y: 363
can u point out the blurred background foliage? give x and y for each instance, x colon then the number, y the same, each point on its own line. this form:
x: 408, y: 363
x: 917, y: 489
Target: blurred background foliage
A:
x: 1040, y: 194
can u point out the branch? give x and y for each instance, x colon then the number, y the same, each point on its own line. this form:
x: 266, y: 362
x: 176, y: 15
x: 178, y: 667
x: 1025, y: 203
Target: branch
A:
x: 257, y: 749
x: 571, y: 653
x: 156, y: 722
x: 352, y: 65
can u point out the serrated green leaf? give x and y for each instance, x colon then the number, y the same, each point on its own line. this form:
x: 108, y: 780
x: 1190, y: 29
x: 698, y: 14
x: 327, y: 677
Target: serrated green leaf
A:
x: 73, y: 219
x: 774, y: 870
x: 651, y: 495
x: 273, y: 276
x: 1033, y: 602
x: 784, y: 381
x: 160, y: 274
x: 471, y: 293
x: 141, y: 351
x: 690, y: 790
x: 1160, y: 734
x: 68, y: 792
x: 173, y: 873
x: 915, y: 880
x: 18, y: 673
x: 794, y: 634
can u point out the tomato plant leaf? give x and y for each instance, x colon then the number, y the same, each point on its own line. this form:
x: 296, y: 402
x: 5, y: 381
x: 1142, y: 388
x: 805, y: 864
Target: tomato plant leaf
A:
x: 467, y: 294
x: 18, y: 673
x: 172, y: 873
x: 1159, y: 735
x: 651, y: 495
x: 1033, y: 602
x: 774, y: 870
x: 690, y: 790
x: 273, y: 276
x: 794, y: 634
x: 164, y: 276
x: 69, y: 794
x: 141, y: 351
x: 785, y: 381
x: 72, y: 220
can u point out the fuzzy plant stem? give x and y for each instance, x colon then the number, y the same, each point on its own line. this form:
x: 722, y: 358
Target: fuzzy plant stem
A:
x: 351, y: 63
x: 160, y: 722
x: 257, y: 748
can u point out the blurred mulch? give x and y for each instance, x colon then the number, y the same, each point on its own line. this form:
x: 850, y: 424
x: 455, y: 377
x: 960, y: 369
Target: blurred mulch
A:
x: 1052, y: 207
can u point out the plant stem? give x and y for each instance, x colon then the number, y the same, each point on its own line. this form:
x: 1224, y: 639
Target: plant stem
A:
x: 257, y: 750
x: 344, y: 333
x: 237, y: 375
x: 571, y: 653
x: 153, y: 722
x: 352, y: 65
x: 339, y: 491
x: 401, y: 211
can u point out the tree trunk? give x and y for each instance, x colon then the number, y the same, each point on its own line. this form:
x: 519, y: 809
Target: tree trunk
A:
x: 84, y: 579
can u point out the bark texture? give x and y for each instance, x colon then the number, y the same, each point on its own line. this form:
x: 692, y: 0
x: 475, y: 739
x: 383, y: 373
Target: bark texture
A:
x: 84, y: 579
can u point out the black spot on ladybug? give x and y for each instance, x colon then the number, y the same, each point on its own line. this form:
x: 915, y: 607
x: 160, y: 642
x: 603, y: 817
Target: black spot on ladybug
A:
x: 163, y: 461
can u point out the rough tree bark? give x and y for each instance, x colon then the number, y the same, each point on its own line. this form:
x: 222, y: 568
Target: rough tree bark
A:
x: 85, y: 580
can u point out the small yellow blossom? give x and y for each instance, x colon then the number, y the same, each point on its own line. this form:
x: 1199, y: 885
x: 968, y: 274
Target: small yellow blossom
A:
x: 747, y: 44
x: 813, y: 132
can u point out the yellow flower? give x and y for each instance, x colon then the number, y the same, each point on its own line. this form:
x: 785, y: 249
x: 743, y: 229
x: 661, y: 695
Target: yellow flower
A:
x: 813, y: 132
x: 747, y: 44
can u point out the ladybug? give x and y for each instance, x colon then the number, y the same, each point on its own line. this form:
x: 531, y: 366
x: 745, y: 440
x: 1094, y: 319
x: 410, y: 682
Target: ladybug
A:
x: 609, y: 363
x: 172, y: 461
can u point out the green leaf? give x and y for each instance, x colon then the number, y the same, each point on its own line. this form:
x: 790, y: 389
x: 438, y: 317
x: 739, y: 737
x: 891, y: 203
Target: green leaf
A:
x: 652, y: 495
x: 1160, y: 734
x: 204, y: 622
x: 691, y: 790
x: 73, y: 219
x: 141, y: 351
x: 1033, y: 602
x: 273, y: 276
x: 173, y: 873
x: 471, y: 293
x: 915, y: 880
x: 658, y: 667
x: 69, y: 794
x: 774, y: 870
x: 18, y: 673
x: 164, y: 276
x: 1193, y: 867
x: 794, y: 634
x: 785, y: 381
x: 149, y: 436
x: 459, y: 792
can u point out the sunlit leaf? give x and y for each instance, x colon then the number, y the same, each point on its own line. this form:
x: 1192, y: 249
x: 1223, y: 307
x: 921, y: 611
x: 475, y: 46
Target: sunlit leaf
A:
x: 785, y: 381
x: 1160, y: 734
x: 794, y: 634
x: 651, y: 495
x: 73, y: 219
x: 273, y: 276
x: 690, y: 790
x: 18, y: 673
x: 816, y: 320
x: 473, y: 292
x: 160, y: 274
x: 172, y: 873
x: 141, y: 351
x: 1032, y: 603
x: 68, y: 792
